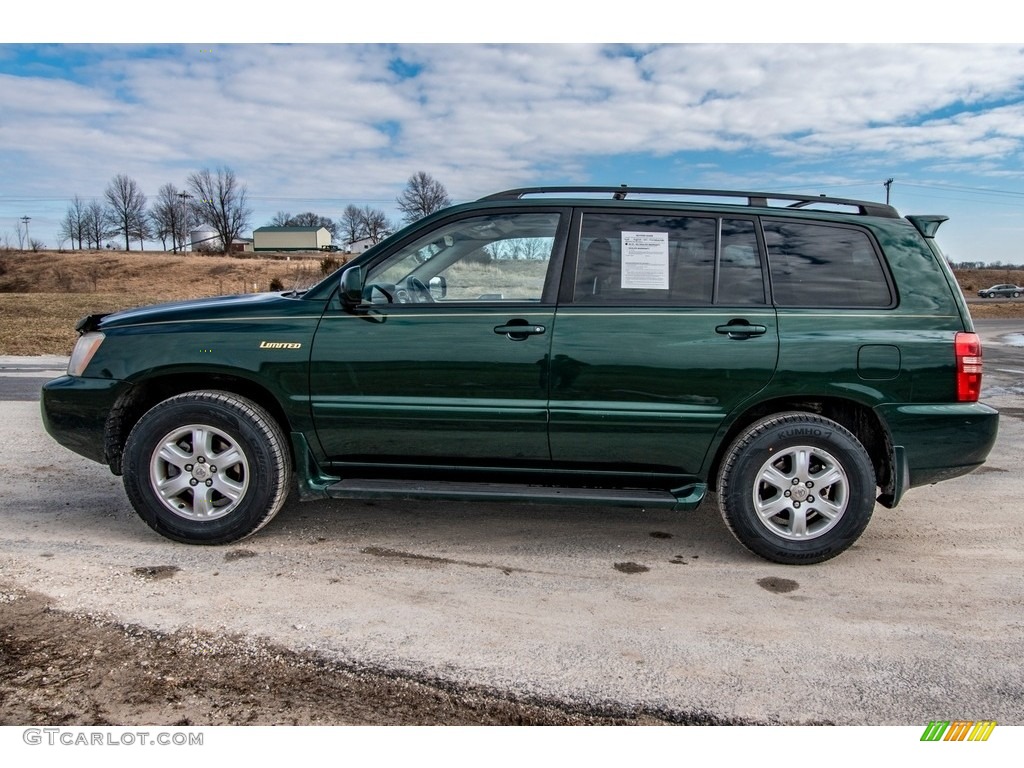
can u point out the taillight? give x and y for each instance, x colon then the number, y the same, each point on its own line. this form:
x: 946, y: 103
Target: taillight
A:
x: 968, y: 367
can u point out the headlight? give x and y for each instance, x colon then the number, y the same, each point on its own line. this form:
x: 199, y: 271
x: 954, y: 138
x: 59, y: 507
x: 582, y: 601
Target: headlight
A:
x: 85, y: 348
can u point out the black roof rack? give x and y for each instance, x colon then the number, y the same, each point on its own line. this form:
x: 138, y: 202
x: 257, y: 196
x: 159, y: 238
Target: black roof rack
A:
x: 758, y: 199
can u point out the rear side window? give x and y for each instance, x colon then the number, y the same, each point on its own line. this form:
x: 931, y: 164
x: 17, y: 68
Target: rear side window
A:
x: 659, y: 259
x: 819, y: 265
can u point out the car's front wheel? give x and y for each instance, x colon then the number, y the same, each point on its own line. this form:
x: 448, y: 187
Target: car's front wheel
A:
x: 796, y: 488
x: 206, y: 467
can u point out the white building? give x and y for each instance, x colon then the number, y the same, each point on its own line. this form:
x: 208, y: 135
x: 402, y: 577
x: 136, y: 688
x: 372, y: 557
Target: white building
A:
x: 290, y: 238
x: 358, y: 246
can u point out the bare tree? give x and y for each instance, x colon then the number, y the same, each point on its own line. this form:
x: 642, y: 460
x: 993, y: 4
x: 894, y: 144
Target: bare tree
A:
x: 351, y: 223
x: 220, y: 201
x: 307, y: 219
x: 171, y: 217
x: 142, y: 231
x: 126, y: 208
x: 423, y: 196
x: 72, y: 226
x: 375, y: 224
x: 310, y: 219
x: 95, y: 225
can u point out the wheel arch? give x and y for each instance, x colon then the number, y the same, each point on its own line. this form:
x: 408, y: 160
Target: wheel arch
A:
x: 143, y: 395
x: 860, y: 419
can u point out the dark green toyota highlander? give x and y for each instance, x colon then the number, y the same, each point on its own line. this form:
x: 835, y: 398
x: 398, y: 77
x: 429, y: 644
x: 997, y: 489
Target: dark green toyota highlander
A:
x: 800, y: 356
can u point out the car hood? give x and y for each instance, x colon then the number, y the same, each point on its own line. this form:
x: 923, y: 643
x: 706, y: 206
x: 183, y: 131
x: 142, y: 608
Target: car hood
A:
x: 245, y: 305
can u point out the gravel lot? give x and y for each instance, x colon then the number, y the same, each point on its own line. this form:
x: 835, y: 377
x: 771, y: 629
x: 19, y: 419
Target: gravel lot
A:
x: 490, y: 613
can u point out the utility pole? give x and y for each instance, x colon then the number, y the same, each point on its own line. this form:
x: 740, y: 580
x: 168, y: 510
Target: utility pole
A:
x: 888, y: 185
x: 28, y: 240
x: 185, y: 196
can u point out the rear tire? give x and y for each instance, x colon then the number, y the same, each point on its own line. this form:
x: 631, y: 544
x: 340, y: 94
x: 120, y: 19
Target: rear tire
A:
x: 796, y: 488
x: 206, y: 467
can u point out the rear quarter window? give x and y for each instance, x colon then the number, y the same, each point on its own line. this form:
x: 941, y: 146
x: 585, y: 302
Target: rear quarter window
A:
x: 823, y: 265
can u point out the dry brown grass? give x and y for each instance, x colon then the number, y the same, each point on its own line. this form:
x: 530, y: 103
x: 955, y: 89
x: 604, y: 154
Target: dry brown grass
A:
x: 973, y: 280
x: 42, y: 295
x: 166, y: 275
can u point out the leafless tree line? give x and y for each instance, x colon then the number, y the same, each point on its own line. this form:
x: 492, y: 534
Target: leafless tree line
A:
x: 215, y: 198
x: 219, y: 200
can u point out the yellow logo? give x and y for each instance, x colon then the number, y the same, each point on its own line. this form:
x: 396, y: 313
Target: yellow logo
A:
x: 280, y: 345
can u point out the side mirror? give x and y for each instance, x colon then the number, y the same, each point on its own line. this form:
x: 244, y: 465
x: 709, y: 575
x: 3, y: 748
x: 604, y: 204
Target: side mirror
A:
x: 351, y: 287
x: 438, y: 287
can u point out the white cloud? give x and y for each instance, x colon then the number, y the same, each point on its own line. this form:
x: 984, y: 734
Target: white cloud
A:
x: 338, y: 122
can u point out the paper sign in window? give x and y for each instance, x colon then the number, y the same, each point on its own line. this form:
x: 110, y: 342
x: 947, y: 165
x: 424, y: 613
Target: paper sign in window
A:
x: 645, y: 260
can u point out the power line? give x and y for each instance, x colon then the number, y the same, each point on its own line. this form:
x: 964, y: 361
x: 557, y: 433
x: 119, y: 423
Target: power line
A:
x: 962, y: 188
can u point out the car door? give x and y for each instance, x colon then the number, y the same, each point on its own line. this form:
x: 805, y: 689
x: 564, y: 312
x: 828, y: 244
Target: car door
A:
x: 446, y: 359
x: 664, y: 330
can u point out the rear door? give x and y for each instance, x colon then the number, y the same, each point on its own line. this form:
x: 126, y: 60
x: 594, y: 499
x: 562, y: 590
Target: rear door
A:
x: 447, y: 360
x: 663, y: 330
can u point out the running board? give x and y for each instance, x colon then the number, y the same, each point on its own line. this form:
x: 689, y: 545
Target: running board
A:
x: 359, y: 488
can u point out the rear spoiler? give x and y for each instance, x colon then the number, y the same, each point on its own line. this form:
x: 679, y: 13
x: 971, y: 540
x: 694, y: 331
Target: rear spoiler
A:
x: 927, y: 225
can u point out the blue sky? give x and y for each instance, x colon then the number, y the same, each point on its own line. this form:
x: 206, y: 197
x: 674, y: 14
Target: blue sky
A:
x: 319, y: 126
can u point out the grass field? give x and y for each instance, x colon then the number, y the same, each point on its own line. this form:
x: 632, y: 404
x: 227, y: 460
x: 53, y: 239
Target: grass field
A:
x: 42, y: 295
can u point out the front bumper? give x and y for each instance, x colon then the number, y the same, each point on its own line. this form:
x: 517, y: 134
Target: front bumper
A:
x: 75, y: 412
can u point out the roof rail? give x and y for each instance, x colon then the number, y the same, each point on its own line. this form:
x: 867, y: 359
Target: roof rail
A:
x: 756, y: 199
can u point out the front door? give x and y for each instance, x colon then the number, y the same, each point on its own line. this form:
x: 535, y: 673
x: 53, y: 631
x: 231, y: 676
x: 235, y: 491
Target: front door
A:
x: 447, y: 358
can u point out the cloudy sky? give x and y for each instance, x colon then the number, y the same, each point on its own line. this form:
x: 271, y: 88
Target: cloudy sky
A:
x: 316, y: 127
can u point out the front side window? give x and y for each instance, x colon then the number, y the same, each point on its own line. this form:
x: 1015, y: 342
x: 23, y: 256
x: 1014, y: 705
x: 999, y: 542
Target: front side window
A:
x: 820, y: 265
x: 498, y: 257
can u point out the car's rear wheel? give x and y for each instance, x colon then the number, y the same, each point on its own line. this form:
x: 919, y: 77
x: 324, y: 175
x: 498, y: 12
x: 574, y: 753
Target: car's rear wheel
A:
x: 206, y: 467
x: 796, y: 488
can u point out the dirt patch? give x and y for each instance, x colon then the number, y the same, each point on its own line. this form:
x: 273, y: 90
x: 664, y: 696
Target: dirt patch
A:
x: 777, y: 585
x: 631, y: 568
x: 155, y: 572
x: 416, y: 558
x: 238, y: 554
x: 58, y: 668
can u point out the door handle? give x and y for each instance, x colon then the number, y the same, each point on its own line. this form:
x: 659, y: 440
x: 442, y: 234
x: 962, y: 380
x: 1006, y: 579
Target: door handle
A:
x: 519, y: 330
x: 741, y: 329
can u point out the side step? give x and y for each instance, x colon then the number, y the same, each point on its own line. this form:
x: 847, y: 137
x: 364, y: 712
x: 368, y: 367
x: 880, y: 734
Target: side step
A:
x: 358, y: 488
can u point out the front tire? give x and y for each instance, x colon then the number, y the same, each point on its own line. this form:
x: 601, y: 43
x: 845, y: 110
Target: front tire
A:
x: 796, y: 488
x: 206, y: 467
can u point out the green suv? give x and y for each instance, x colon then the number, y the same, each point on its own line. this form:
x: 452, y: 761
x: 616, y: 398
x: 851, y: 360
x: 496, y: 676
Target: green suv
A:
x: 800, y: 356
